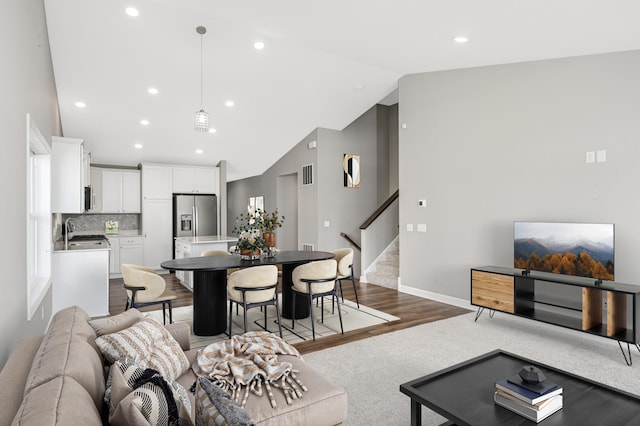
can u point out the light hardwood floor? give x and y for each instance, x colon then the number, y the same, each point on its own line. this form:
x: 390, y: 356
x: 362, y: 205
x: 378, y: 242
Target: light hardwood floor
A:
x: 411, y: 310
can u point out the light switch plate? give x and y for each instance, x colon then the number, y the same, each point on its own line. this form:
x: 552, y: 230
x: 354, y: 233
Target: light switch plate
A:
x: 327, y: 224
x: 590, y: 157
x: 410, y: 227
x: 601, y: 155
x: 422, y: 227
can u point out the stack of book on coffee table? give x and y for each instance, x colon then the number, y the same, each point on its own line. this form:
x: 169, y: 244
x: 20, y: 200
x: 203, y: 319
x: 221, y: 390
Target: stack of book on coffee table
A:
x: 535, y: 401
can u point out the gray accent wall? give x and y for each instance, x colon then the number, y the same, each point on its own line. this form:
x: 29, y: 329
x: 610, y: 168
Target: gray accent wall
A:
x: 27, y: 86
x: 327, y: 199
x: 492, y: 145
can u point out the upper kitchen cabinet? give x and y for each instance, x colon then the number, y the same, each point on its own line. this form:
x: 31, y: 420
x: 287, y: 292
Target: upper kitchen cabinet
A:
x: 156, y: 182
x: 196, y: 180
x: 67, y: 175
x: 120, y: 191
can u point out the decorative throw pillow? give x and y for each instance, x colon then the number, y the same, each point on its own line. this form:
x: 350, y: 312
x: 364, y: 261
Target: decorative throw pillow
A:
x: 149, y: 344
x: 214, y: 407
x: 154, y: 402
x: 115, y: 323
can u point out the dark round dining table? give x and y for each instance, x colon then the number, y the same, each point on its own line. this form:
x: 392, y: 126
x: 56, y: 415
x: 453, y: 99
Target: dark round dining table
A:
x: 210, y: 285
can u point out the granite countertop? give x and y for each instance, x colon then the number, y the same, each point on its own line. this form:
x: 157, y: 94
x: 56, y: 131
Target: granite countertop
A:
x: 208, y: 239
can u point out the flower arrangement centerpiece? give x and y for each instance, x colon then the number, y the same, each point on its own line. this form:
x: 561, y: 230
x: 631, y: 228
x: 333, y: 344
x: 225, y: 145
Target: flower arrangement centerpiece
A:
x: 250, y: 241
x: 268, y: 223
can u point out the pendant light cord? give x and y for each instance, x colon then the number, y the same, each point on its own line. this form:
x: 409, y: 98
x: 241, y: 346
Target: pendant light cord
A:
x: 201, y: 74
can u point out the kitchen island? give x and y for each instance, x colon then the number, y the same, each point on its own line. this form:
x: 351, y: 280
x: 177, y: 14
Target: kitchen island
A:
x: 194, y: 247
x: 81, y: 277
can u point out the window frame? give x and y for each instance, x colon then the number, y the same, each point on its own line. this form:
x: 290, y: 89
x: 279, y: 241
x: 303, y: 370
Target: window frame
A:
x: 39, y: 218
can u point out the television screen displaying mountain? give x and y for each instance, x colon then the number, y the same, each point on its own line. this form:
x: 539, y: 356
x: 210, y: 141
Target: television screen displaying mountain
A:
x: 580, y: 249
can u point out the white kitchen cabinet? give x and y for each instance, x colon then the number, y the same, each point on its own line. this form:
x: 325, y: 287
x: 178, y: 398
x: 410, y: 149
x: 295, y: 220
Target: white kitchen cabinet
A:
x: 114, y: 255
x: 81, y: 277
x: 120, y: 191
x: 157, y: 227
x: 157, y: 214
x: 196, y: 180
x: 131, y: 250
x: 67, y: 184
x: 156, y: 182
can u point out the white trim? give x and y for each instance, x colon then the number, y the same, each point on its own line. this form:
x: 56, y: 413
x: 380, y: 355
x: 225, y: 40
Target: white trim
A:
x: 39, y: 234
x: 461, y: 303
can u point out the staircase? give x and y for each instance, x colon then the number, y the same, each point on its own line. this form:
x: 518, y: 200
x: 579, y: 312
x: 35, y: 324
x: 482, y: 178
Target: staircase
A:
x: 386, y: 269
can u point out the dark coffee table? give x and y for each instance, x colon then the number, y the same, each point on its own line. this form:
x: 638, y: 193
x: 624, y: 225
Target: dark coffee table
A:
x: 463, y: 394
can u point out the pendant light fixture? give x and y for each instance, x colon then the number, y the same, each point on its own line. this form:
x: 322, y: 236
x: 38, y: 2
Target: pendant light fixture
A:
x: 202, y: 117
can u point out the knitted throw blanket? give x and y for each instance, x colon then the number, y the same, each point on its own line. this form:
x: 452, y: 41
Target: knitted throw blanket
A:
x: 247, y: 362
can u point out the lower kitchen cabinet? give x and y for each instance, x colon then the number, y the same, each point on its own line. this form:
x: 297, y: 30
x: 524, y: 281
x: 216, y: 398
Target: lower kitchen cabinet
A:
x: 131, y: 250
x: 125, y: 250
x: 81, y: 277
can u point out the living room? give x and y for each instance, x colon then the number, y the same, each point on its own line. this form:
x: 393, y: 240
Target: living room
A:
x: 484, y: 146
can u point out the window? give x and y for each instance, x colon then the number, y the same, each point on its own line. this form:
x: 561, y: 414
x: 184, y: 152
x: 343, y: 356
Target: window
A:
x: 39, y: 233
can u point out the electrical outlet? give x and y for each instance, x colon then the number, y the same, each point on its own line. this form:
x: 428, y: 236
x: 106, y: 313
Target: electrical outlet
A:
x: 409, y: 227
x: 422, y: 227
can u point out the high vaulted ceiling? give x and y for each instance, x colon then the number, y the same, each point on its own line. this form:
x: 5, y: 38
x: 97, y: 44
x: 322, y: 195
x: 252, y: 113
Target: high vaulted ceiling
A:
x: 324, y: 63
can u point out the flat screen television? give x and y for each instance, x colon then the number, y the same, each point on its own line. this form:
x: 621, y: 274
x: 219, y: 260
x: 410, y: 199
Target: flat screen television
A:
x: 578, y: 249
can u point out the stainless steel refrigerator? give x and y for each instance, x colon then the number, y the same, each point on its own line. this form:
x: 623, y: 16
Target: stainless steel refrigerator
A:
x: 195, y: 215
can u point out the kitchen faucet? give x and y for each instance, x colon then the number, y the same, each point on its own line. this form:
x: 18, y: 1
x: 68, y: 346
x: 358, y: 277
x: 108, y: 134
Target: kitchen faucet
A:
x: 68, y: 226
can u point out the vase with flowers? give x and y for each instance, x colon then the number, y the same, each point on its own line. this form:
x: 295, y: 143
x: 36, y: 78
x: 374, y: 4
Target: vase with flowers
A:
x: 250, y: 242
x: 268, y: 223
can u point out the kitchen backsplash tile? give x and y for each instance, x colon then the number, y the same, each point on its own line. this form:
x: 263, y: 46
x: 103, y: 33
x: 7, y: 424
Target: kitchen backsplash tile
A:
x: 95, y: 222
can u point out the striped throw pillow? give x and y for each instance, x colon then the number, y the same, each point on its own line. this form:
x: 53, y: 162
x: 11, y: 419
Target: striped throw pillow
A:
x: 149, y: 344
x: 147, y: 404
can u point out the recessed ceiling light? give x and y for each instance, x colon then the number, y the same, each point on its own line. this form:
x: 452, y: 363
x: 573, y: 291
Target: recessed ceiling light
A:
x: 138, y: 146
x: 80, y: 104
x: 461, y: 39
x: 153, y: 90
x: 199, y: 151
x: 229, y: 103
x: 258, y: 45
x: 144, y: 122
x: 212, y: 130
x: 132, y: 11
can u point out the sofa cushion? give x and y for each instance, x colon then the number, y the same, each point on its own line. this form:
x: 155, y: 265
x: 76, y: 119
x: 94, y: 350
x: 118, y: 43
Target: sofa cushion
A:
x: 61, y: 401
x: 115, y: 323
x: 214, y: 407
x: 146, y: 405
x: 68, y: 349
x: 13, y: 377
x: 148, y: 343
x: 75, y: 359
x: 73, y: 320
x: 323, y: 403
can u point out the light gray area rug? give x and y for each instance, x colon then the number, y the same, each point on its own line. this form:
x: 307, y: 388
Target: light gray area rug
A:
x: 353, y: 318
x: 373, y: 369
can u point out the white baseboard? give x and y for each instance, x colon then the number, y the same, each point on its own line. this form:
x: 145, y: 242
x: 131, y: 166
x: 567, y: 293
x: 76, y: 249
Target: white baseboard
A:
x: 461, y: 303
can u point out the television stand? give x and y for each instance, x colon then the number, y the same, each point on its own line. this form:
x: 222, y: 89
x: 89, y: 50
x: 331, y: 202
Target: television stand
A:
x: 510, y: 291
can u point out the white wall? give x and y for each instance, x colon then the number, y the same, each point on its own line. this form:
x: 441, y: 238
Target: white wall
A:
x: 27, y: 86
x: 487, y: 146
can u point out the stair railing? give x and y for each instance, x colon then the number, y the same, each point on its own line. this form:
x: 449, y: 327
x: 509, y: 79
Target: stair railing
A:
x: 378, y: 231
